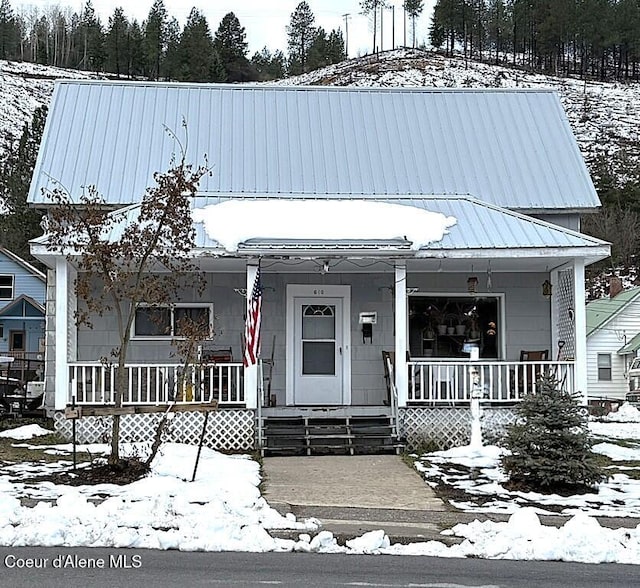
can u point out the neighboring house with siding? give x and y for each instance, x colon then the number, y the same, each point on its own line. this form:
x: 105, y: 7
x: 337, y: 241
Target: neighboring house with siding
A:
x: 613, y: 340
x: 499, y: 168
x: 22, y: 295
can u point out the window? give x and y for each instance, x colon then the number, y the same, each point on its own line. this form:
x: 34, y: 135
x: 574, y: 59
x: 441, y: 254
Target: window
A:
x: 6, y: 287
x: 604, y: 367
x: 449, y: 326
x: 164, y: 322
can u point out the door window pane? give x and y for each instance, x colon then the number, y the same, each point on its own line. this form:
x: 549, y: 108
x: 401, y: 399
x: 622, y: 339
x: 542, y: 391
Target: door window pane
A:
x: 318, y: 358
x: 318, y: 321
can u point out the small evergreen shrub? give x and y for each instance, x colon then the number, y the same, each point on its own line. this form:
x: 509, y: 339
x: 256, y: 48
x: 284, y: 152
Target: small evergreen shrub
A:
x: 550, y: 449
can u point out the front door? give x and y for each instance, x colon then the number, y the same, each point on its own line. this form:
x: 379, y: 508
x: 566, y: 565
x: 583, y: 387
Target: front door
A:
x: 318, y: 345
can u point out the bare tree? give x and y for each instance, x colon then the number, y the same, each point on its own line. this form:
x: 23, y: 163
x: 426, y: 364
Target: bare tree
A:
x: 127, y: 258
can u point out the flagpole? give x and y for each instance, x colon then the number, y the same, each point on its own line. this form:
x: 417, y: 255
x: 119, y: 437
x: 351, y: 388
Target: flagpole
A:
x: 250, y: 370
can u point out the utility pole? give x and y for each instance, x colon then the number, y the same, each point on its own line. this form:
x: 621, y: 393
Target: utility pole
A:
x: 393, y: 26
x: 346, y: 17
x: 404, y: 6
x: 381, y: 27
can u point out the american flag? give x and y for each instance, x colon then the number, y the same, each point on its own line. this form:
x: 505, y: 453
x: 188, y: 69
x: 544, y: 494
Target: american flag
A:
x: 252, y: 325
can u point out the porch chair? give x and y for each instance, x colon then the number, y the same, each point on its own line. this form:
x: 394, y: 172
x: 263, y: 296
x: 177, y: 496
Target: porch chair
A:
x: 531, y: 374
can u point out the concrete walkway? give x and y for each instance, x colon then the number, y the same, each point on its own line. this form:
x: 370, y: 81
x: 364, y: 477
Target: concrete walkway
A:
x: 355, y: 494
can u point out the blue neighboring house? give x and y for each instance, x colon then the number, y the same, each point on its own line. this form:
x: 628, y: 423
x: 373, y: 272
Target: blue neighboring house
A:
x: 22, y: 312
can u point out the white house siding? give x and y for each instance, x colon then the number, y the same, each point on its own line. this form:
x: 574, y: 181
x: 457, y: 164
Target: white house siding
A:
x: 608, y: 339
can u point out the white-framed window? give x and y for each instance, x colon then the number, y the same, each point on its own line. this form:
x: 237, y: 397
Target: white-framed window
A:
x: 604, y: 367
x: 6, y: 287
x: 449, y: 325
x: 166, y: 322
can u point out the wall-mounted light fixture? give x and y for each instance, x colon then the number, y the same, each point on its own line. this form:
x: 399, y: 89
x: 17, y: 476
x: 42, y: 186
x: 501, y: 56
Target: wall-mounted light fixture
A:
x: 547, y: 289
x: 472, y: 284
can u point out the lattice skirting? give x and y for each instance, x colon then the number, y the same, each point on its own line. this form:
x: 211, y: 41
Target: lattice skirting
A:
x: 227, y: 430
x: 445, y: 427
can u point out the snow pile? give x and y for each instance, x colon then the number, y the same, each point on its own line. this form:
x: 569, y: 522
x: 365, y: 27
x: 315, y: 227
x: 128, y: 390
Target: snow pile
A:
x: 627, y: 413
x: 26, y: 432
x: 236, y: 221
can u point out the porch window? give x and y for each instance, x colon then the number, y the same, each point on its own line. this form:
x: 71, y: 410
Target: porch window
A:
x: 450, y: 326
x: 164, y: 322
x: 604, y: 367
x: 6, y: 287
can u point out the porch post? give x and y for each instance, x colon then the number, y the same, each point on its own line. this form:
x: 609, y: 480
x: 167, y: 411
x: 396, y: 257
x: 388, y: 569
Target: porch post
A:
x: 401, y: 333
x: 580, y: 319
x: 250, y: 371
x: 62, y: 334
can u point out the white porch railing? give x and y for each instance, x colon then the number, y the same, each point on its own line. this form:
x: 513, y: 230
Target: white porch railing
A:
x: 153, y: 384
x: 449, y: 382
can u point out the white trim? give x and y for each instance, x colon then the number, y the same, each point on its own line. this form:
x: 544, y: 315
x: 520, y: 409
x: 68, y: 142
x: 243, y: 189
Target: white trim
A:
x: 62, y: 334
x: 320, y: 291
x: 171, y: 307
x: 12, y: 286
x: 401, y: 323
x: 580, y: 328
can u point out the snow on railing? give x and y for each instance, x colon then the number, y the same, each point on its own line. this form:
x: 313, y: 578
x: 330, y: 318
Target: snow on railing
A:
x: 152, y: 384
x: 449, y: 382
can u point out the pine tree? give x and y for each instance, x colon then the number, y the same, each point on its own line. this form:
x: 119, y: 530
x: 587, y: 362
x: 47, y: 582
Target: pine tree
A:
x: 154, y: 38
x: 20, y: 222
x: 199, y: 61
x: 135, y: 50
x: 115, y: 42
x: 8, y: 31
x: 172, y: 56
x: 300, y: 34
x: 269, y: 66
x: 549, y: 445
x: 371, y: 7
x: 92, y: 38
x: 231, y: 45
x: 413, y: 8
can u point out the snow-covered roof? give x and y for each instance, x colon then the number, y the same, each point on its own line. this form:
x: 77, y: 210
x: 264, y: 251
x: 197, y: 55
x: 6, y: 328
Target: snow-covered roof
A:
x: 414, y: 227
x: 510, y: 148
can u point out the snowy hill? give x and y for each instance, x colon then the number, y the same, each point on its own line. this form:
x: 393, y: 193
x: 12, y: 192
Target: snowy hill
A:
x: 24, y: 87
x: 604, y: 116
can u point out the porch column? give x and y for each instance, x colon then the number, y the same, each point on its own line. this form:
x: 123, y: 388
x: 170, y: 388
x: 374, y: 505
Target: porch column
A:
x: 401, y: 333
x: 580, y: 325
x: 250, y: 371
x: 62, y: 334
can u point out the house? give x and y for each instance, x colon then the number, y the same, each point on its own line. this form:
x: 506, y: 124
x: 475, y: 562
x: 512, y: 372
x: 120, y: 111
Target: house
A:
x: 613, y: 340
x: 438, y: 226
x: 22, y: 317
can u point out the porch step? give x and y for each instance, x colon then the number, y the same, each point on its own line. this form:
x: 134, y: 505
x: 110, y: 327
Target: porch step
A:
x: 349, y: 435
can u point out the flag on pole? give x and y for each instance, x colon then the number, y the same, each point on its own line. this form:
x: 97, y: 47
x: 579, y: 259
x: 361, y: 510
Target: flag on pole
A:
x: 252, y: 324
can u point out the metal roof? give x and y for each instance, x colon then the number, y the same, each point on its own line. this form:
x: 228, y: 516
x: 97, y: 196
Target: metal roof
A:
x: 631, y: 347
x: 510, y: 148
x: 480, y: 227
x: 601, y: 311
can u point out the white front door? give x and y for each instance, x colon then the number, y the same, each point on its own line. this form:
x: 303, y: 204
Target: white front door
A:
x: 318, y: 345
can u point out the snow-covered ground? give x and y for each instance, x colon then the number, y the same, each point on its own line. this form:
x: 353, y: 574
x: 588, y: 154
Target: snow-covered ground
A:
x: 222, y: 510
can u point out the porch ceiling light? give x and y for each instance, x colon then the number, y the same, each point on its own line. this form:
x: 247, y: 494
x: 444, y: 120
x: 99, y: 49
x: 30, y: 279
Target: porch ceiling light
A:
x: 472, y: 284
x: 547, y: 289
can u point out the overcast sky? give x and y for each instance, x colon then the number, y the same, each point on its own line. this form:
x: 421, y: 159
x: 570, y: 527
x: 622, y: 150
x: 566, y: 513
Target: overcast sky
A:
x: 265, y: 20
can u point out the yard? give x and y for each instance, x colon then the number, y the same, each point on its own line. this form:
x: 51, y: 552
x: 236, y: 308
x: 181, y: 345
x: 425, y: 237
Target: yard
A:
x: 223, y: 510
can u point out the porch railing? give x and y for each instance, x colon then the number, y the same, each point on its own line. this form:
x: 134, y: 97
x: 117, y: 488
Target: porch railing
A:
x: 450, y: 382
x: 153, y: 384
